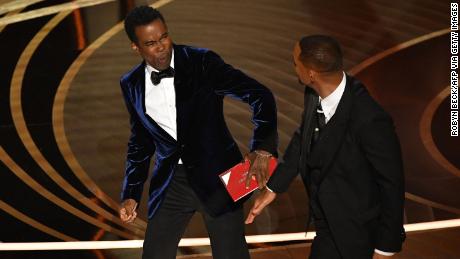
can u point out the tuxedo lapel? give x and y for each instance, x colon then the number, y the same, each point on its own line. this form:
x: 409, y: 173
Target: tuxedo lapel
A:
x: 183, y: 87
x: 332, y: 134
x: 311, y: 101
x: 138, y: 99
x: 137, y: 89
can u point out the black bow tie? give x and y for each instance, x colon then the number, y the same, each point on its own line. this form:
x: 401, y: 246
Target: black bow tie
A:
x: 157, y: 76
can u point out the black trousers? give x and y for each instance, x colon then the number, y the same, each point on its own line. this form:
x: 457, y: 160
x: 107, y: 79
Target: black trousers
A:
x: 167, y: 226
x: 323, y: 245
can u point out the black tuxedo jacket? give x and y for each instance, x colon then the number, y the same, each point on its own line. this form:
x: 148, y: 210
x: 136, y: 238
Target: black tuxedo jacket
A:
x: 361, y: 182
x: 204, y: 143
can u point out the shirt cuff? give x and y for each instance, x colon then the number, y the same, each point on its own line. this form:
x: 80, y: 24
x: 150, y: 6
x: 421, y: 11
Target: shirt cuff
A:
x: 384, y: 253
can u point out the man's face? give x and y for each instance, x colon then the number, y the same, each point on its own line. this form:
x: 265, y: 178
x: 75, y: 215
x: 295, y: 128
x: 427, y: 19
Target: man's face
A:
x: 154, y: 44
x: 302, y: 72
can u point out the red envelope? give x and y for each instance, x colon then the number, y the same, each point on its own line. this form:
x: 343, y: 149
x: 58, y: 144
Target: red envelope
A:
x: 234, y: 179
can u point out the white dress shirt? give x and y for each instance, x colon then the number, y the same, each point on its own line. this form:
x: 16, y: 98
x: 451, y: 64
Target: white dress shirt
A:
x: 160, y: 101
x: 329, y: 105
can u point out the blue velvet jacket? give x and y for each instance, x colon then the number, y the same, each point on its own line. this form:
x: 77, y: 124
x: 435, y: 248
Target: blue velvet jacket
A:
x: 204, y: 143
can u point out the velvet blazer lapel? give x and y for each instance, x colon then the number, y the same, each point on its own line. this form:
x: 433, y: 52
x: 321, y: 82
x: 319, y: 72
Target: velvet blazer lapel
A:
x: 184, y: 66
x: 183, y: 77
x: 138, y: 99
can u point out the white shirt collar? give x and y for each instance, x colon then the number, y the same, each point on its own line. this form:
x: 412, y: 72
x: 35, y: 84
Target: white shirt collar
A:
x: 330, y: 103
x: 150, y: 69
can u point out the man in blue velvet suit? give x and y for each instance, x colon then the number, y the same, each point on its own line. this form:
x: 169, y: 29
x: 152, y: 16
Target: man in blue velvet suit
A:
x: 175, y: 101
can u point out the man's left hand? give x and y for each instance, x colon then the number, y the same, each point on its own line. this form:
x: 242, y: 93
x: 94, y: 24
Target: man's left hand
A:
x: 262, y: 201
x: 259, y: 167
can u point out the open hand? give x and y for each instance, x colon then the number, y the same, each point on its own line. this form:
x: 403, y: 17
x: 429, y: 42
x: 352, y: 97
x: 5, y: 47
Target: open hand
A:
x: 265, y: 198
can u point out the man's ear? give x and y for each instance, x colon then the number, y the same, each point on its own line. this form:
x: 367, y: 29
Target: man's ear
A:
x: 312, y: 76
x: 134, y: 47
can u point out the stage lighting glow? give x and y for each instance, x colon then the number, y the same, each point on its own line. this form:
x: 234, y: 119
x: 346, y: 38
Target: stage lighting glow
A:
x: 190, y: 242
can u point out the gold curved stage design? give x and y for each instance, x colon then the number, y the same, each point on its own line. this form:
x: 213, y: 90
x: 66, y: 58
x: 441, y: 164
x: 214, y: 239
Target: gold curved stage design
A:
x: 16, y: 108
x: 426, y: 119
x: 20, y: 124
x: 427, y: 137
x: 14, y: 7
x: 35, y: 224
x: 47, y: 11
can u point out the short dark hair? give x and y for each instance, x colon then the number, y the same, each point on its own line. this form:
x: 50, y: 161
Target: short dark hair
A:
x: 140, y: 15
x: 322, y: 53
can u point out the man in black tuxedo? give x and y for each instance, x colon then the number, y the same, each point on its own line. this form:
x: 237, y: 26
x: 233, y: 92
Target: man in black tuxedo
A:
x: 349, y: 158
x: 175, y: 101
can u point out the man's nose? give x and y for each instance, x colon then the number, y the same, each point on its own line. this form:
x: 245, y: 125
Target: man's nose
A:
x: 161, y: 46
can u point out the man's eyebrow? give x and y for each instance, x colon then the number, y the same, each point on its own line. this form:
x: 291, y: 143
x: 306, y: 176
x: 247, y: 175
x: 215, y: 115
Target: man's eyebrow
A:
x: 153, y: 41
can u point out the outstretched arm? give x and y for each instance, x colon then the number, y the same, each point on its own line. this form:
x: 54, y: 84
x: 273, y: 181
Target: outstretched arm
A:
x: 228, y: 81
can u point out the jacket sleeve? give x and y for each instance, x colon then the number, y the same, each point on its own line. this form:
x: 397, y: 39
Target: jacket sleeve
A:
x: 288, y: 166
x: 140, y: 151
x: 381, y: 146
x: 228, y: 81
